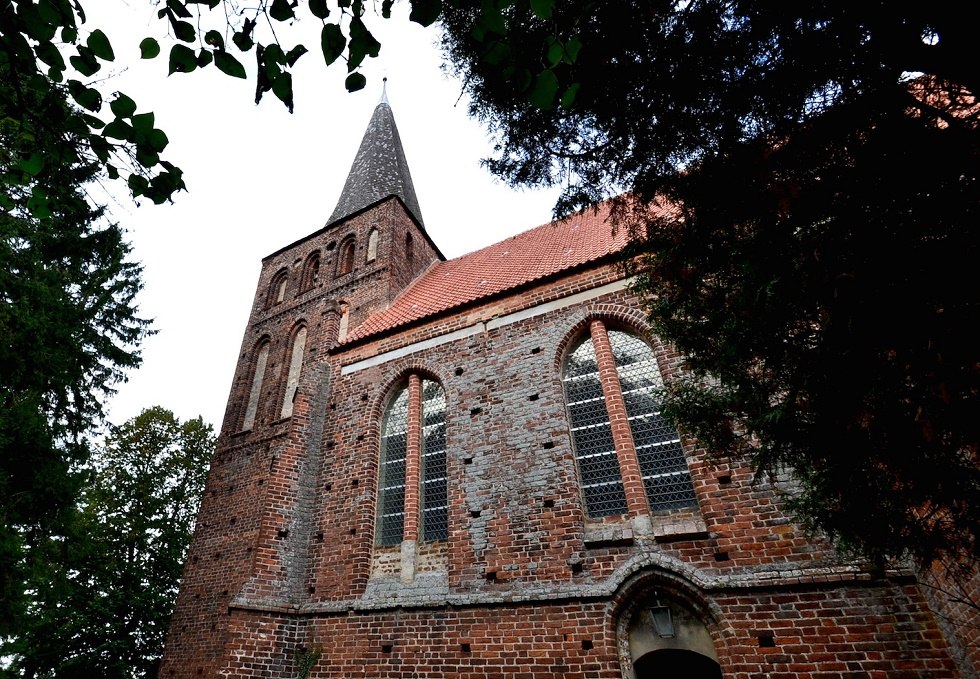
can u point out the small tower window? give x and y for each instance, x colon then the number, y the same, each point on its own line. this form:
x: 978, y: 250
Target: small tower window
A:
x: 277, y: 288
x: 311, y: 271
x: 295, y: 366
x: 261, y: 358
x: 345, y: 261
x: 372, y: 246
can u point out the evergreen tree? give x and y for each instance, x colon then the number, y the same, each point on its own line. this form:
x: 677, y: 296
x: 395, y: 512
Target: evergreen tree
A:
x: 68, y: 330
x: 817, y: 162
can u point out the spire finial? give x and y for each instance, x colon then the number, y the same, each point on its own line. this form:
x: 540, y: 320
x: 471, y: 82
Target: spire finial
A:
x: 384, y: 90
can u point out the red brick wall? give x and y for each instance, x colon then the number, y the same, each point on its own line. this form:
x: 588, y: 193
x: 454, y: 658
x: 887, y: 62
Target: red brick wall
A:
x: 875, y: 631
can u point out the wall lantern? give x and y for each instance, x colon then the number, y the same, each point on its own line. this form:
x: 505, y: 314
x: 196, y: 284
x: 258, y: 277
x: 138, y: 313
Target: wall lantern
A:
x: 663, y: 625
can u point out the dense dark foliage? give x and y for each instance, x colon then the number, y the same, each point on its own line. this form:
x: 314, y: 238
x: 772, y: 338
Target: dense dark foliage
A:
x: 820, y: 160
x: 68, y: 328
x: 100, y: 604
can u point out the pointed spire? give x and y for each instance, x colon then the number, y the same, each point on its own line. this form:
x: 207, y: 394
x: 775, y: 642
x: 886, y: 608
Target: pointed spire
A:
x: 379, y: 170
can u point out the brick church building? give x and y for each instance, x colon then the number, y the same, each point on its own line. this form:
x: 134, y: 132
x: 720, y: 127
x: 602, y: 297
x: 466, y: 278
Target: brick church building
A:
x: 457, y: 468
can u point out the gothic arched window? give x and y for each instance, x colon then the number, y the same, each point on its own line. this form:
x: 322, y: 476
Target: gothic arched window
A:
x: 311, y: 271
x: 409, y: 248
x: 413, y: 501
x: 372, y: 246
x: 277, y: 288
x: 295, y: 366
x: 345, y: 258
x: 613, y: 377
x: 258, y: 374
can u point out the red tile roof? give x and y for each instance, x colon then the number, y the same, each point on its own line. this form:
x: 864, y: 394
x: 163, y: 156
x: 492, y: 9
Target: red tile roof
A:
x: 529, y: 256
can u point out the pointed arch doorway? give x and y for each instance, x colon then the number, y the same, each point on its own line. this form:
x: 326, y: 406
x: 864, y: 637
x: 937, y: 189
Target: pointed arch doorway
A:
x: 664, y: 634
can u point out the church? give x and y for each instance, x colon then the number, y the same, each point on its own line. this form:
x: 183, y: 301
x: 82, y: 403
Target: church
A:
x: 458, y: 468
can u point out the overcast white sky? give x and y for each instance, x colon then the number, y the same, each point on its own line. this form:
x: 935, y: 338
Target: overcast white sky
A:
x: 259, y: 178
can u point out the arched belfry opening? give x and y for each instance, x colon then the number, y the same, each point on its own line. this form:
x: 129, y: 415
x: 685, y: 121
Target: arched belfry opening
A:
x: 665, y: 635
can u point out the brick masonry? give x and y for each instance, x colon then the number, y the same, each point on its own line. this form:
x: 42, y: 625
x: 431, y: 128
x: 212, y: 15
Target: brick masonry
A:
x: 284, y: 569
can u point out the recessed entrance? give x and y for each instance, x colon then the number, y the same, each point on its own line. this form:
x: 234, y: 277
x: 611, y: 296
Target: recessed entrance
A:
x: 675, y: 664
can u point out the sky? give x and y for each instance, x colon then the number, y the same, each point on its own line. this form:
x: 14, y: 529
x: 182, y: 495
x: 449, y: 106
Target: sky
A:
x: 260, y: 178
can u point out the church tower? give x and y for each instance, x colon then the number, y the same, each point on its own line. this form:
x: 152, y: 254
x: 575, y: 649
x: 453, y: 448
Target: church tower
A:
x: 253, y: 534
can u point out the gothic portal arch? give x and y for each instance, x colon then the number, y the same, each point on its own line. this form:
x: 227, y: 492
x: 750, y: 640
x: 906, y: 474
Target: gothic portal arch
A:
x: 666, y: 633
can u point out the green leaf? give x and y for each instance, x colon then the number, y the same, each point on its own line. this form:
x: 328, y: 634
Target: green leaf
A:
x: 545, y: 88
x: 157, y: 140
x: 229, y: 65
x: 143, y: 123
x: 122, y: 106
x: 572, y: 48
x: 32, y: 165
x: 386, y: 6
x: 112, y: 171
x: 319, y: 8
x: 147, y: 157
x: 294, y: 54
x: 149, y: 48
x: 425, y: 12
x: 86, y: 97
x: 243, y: 38
x: 50, y: 12
x: 282, y: 87
x: 50, y: 55
x: 99, y: 44
x: 568, y: 98
x: 184, y: 31
x: 543, y: 8
x: 281, y: 11
x: 274, y: 53
x: 85, y: 61
x: 362, y: 44
x: 555, y: 51
x: 119, y: 129
x: 137, y: 184
x: 178, y: 8
x: 35, y: 26
x: 332, y: 42
x: 355, y: 82
x: 69, y: 34
x: 204, y: 57
x: 214, y: 39
x: 93, y: 122
x: 182, y: 59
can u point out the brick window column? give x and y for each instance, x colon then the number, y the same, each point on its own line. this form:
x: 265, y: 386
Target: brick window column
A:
x: 413, y: 454
x: 636, y: 501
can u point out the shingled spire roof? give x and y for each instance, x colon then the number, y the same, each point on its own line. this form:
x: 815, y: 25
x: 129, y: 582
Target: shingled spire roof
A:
x: 379, y: 169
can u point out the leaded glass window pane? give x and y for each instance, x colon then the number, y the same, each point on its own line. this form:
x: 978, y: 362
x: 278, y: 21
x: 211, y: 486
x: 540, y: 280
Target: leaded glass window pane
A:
x: 391, y: 494
x: 663, y: 466
x: 435, y: 498
x: 595, y: 453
